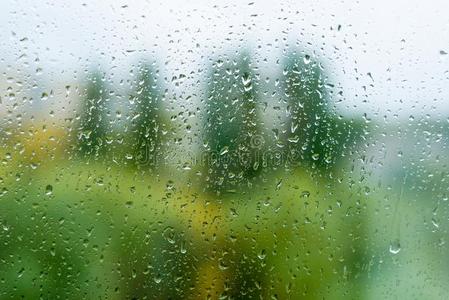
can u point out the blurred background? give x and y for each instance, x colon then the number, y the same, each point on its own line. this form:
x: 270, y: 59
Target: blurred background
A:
x: 224, y: 150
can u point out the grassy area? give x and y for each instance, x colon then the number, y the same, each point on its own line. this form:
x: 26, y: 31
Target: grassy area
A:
x: 73, y: 230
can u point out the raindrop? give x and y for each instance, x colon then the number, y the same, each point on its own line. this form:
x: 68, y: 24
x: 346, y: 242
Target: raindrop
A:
x: 306, y: 59
x: 305, y: 194
x: 395, y: 247
x: 158, y: 278
x: 49, y: 189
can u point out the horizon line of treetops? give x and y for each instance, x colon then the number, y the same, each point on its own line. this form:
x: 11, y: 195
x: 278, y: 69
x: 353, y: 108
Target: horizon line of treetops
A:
x: 231, y: 118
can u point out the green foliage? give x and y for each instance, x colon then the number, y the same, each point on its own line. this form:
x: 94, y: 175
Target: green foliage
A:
x: 147, y: 125
x: 105, y: 231
x: 232, y: 123
x: 315, y: 134
x: 93, y: 123
x: 93, y: 237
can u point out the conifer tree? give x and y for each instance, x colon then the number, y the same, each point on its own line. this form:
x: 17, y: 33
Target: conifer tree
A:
x: 93, y: 122
x: 147, y: 124
x: 232, y: 123
x: 315, y: 134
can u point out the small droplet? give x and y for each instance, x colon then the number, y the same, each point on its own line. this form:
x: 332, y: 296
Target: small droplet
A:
x: 224, y: 151
x: 307, y: 59
x: 44, y: 96
x: 157, y: 279
x: 435, y: 223
x: 20, y: 273
x: 395, y: 247
x: 183, y: 247
x: 48, y: 189
x: 305, y: 194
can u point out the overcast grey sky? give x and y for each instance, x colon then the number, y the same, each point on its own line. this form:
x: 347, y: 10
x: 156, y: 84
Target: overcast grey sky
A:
x: 388, y: 57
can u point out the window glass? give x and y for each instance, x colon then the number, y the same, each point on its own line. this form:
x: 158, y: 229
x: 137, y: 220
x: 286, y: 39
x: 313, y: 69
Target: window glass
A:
x: 224, y: 149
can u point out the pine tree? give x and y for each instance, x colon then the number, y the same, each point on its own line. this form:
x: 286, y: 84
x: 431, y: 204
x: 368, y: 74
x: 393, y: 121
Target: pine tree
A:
x: 93, y: 122
x: 232, y: 124
x: 315, y: 134
x: 147, y: 124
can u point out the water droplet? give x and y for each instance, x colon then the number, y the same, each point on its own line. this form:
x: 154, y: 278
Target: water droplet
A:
x: 169, y: 234
x: 435, y: 223
x: 307, y: 59
x: 20, y: 273
x: 44, y: 96
x: 262, y: 254
x: 305, y: 194
x: 224, y: 150
x: 158, y: 278
x: 49, y: 189
x: 183, y: 247
x: 395, y: 247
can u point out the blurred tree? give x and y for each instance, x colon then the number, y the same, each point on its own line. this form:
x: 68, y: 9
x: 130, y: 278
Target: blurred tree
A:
x: 147, y: 123
x: 232, y: 125
x: 93, y: 122
x: 315, y: 134
x: 318, y: 137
